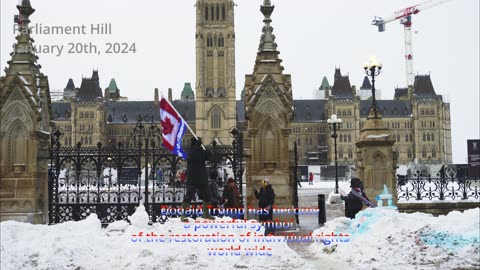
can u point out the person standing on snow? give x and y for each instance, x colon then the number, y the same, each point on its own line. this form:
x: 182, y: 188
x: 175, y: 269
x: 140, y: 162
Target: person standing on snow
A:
x: 216, y: 198
x: 353, y: 201
x: 197, y: 179
x: 266, y: 199
x: 232, y: 199
x: 310, y: 179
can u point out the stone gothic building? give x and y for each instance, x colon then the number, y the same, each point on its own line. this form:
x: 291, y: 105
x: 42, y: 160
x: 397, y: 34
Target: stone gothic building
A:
x: 24, y: 130
x: 417, y: 116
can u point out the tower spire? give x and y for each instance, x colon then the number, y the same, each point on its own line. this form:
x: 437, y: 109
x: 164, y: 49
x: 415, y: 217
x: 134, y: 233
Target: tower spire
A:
x: 23, y: 50
x: 267, y: 41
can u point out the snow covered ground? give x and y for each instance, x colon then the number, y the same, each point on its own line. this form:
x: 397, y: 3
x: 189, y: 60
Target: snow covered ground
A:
x: 378, y: 239
x: 385, y: 239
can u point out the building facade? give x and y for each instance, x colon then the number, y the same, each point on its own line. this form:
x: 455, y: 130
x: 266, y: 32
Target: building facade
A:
x: 418, y: 118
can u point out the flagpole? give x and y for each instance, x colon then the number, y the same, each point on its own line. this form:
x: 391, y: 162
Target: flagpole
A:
x: 179, y: 115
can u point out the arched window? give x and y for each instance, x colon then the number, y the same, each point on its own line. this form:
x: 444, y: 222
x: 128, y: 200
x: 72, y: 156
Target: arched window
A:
x: 223, y: 12
x: 341, y: 138
x: 422, y: 112
x: 398, y: 137
x: 340, y: 153
x: 344, y: 113
x: 216, y: 118
x: 212, y: 11
x: 406, y: 137
x: 218, y: 13
x: 433, y: 139
x: 411, y: 137
x: 90, y: 140
x: 424, y: 153
x: 409, y: 154
x: 349, y: 138
x: 206, y: 13
x: 220, y: 41
x: 424, y: 137
x: 434, y: 153
x: 428, y: 137
x: 350, y: 153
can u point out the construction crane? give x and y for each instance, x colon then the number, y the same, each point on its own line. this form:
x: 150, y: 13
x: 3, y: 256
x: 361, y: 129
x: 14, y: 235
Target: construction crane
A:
x: 405, y: 17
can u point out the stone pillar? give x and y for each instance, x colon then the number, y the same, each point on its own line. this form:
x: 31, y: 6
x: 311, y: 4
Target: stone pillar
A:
x: 376, y: 161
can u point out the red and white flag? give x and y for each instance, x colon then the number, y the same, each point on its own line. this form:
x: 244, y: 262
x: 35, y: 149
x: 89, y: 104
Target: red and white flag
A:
x: 173, y: 128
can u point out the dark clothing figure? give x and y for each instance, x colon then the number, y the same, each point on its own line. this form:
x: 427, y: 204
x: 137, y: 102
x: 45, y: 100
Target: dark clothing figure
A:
x: 266, y: 199
x: 197, y: 180
x: 231, y: 195
x: 196, y: 167
x: 232, y: 198
x: 214, y: 190
x: 353, y: 204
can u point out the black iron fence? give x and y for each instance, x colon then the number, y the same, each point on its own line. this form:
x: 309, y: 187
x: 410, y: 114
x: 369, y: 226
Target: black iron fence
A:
x: 439, y: 188
x: 113, y: 180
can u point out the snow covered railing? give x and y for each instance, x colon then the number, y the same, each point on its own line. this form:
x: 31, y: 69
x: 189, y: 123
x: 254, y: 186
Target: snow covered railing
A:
x: 437, y: 189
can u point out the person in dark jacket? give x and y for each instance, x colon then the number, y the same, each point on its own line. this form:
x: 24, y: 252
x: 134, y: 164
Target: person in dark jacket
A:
x: 353, y: 204
x: 232, y: 198
x: 266, y: 199
x: 197, y: 179
x: 216, y: 198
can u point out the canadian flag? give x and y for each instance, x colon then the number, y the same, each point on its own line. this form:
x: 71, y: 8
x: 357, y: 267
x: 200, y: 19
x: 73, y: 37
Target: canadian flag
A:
x: 173, y: 128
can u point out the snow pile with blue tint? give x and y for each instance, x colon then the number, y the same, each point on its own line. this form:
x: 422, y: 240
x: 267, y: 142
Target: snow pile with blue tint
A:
x: 385, y: 239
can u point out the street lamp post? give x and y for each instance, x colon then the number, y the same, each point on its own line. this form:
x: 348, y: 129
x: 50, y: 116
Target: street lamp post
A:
x: 373, y: 69
x: 334, y: 124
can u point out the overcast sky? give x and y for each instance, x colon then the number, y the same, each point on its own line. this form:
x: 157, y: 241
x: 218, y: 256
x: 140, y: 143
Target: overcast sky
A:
x: 313, y: 38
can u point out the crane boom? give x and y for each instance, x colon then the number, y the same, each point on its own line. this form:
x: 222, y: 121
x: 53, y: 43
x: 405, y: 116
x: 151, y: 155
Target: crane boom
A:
x: 405, y: 17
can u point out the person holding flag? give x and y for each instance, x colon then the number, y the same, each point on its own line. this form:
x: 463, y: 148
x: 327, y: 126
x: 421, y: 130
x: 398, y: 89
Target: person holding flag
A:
x: 173, y: 130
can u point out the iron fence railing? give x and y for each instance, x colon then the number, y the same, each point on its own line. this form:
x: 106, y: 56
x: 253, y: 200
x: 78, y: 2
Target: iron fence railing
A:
x: 440, y: 188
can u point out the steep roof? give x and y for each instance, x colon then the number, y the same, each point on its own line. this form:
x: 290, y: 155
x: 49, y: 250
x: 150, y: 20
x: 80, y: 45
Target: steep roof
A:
x: 70, y: 85
x: 325, y: 85
x: 187, y: 92
x: 366, y: 85
x: 341, y: 86
x: 112, y: 87
x: 89, y: 90
x: 240, y: 110
x: 400, y: 92
x: 423, y: 86
x: 309, y: 110
x: 186, y: 108
x: 130, y: 112
x: 61, y: 111
x: 388, y: 108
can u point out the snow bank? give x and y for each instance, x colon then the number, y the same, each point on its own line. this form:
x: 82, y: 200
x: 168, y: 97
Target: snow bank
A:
x: 385, y: 239
x: 85, y: 245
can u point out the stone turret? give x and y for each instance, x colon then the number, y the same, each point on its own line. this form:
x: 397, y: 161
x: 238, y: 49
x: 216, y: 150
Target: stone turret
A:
x: 24, y: 130
x: 269, y: 113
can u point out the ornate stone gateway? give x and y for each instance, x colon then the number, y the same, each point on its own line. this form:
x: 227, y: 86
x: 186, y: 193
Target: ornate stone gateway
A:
x: 112, y: 181
x: 24, y: 130
x: 269, y: 112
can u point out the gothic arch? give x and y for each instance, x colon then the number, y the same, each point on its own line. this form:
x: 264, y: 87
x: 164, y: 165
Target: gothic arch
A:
x: 269, y: 137
x: 380, y: 174
x: 215, y: 116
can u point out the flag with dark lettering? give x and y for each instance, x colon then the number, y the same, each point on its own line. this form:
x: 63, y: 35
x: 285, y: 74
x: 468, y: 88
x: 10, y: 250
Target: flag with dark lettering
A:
x: 173, y: 128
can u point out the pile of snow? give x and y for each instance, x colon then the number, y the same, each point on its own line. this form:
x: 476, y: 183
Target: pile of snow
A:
x: 85, y: 245
x: 385, y: 239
